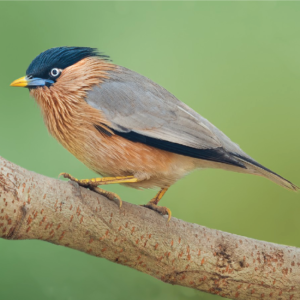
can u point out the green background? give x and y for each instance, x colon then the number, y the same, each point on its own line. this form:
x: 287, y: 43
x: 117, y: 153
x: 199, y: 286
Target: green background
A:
x: 237, y: 64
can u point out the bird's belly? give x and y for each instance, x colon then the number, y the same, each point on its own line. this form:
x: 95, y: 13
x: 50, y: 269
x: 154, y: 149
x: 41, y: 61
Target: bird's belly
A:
x: 116, y: 156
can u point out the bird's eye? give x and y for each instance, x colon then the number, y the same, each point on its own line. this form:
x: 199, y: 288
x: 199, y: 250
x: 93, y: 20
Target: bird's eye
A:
x: 29, y: 76
x: 54, y: 72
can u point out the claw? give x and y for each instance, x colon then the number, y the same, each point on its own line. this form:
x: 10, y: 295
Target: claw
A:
x: 169, y: 214
x: 152, y: 204
x: 109, y: 195
x: 66, y: 175
x: 160, y: 209
x: 93, y: 183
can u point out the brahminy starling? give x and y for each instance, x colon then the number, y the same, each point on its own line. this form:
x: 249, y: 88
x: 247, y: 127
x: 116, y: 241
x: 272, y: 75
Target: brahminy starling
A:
x: 125, y: 127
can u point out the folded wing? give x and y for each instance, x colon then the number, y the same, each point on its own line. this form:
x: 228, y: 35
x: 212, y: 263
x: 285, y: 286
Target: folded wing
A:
x: 142, y: 111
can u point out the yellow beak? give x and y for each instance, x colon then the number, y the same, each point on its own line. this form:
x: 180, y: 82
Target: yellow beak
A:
x: 22, y: 82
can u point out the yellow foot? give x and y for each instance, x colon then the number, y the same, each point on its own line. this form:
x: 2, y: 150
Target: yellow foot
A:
x: 109, y: 195
x: 94, y: 182
x: 152, y: 204
x: 161, y: 209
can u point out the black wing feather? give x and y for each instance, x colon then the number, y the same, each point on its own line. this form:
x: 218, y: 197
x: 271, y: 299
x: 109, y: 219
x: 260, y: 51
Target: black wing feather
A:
x: 216, y: 154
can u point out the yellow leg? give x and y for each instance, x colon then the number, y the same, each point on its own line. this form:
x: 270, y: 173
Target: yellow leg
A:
x: 94, y: 182
x: 100, y: 181
x: 152, y: 204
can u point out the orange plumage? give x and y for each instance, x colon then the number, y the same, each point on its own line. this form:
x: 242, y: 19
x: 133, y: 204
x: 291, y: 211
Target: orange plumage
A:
x: 122, y: 125
x: 71, y: 121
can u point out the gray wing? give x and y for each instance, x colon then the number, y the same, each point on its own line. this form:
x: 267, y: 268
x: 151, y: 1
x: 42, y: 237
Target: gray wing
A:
x: 135, y: 104
x: 132, y: 102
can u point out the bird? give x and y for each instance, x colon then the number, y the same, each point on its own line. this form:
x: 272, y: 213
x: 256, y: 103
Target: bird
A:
x: 127, y: 128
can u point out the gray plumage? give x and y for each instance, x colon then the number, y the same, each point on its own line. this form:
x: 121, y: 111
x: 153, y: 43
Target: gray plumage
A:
x: 134, y: 103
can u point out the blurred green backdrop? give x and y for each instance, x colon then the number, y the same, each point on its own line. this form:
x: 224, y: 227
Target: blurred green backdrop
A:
x: 237, y: 64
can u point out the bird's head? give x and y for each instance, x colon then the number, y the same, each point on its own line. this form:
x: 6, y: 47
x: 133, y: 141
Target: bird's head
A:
x: 59, y: 79
x: 46, y: 69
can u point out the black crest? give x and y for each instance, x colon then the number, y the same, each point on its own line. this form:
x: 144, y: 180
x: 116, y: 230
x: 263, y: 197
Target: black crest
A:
x: 61, y: 58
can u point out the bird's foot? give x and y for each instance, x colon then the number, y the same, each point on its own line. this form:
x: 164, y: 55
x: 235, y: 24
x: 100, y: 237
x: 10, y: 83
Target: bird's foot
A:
x: 160, y: 209
x: 152, y: 204
x: 93, y: 183
x: 109, y: 195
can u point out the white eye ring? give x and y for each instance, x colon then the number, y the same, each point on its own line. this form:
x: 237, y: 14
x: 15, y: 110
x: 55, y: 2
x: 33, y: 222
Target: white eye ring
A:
x: 55, y: 72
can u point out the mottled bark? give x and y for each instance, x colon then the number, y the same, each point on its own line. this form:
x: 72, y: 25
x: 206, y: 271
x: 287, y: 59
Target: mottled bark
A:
x: 33, y: 206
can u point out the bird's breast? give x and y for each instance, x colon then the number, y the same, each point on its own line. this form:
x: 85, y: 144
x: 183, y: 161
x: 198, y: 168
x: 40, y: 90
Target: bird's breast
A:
x: 110, y: 154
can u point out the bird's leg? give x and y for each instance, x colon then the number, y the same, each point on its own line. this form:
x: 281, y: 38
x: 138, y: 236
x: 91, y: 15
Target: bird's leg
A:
x: 93, y: 183
x: 100, y: 181
x: 152, y: 204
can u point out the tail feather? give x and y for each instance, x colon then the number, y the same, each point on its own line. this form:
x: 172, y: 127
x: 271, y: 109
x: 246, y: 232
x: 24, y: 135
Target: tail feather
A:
x: 260, y: 170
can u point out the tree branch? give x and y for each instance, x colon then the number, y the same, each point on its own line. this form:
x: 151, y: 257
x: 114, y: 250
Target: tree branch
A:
x: 33, y: 206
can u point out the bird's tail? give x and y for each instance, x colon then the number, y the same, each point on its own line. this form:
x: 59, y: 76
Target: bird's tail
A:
x: 257, y: 169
